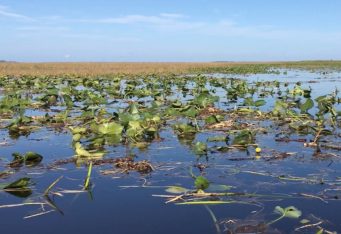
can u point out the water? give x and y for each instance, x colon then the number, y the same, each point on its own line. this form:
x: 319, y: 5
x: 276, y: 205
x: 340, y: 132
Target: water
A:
x: 124, y: 203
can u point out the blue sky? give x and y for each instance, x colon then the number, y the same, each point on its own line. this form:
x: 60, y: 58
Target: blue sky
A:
x: 173, y: 30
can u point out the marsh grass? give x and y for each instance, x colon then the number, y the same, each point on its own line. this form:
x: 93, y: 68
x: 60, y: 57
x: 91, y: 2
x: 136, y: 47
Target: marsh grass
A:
x: 136, y: 68
x: 91, y: 69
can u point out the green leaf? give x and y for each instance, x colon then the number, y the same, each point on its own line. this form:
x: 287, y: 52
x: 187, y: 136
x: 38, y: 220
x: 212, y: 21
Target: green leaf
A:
x: 133, y: 109
x: 307, y: 105
x: 32, y: 157
x: 19, y: 184
x: 243, y: 138
x: 208, y: 202
x: 177, y: 104
x: 176, y: 190
x: 68, y: 101
x: 259, y: 103
x: 289, y: 212
x: 216, y: 138
x: 201, y: 183
x: 78, y: 130
x: 80, y: 151
x: 279, y: 210
x: 191, y: 112
x: 17, y: 156
x: 136, y: 125
x: 321, y: 231
x: 204, y: 99
x: 305, y: 221
x: 292, y: 212
x: 184, y: 129
x: 248, y: 101
x: 200, y: 148
x: 76, y: 137
x: 110, y: 128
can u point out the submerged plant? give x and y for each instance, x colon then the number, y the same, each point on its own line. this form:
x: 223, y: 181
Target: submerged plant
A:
x: 288, y: 212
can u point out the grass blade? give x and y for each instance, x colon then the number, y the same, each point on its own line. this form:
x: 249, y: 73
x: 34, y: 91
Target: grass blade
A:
x: 87, y: 180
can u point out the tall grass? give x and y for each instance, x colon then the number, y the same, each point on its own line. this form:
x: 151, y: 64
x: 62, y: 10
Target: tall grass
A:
x: 95, y: 69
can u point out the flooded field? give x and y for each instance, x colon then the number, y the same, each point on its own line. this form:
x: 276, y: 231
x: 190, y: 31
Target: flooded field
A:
x: 210, y: 153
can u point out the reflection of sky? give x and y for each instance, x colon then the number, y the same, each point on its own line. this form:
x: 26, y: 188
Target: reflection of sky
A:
x: 320, y: 83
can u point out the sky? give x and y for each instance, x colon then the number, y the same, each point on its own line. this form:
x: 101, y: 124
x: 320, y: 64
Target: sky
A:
x: 169, y: 30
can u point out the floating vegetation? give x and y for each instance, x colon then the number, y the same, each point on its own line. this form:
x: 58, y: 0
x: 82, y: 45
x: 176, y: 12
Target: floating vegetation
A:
x: 128, y: 164
x: 249, y: 142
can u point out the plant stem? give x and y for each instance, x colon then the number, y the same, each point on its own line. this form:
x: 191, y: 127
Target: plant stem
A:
x: 279, y: 218
x: 87, y: 180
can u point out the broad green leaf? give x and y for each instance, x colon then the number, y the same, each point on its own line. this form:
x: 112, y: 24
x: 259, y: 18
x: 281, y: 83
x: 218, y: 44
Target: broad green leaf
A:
x: 259, y: 103
x: 32, y: 157
x: 136, y: 125
x: 191, y: 112
x: 201, y: 183
x: 289, y: 212
x: 292, y: 212
x: 244, y: 137
x: 307, y: 105
x: 184, y: 129
x: 110, y: 128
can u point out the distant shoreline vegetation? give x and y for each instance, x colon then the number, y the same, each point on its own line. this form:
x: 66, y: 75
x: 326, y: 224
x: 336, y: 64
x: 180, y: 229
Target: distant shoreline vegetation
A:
x: 9, y: 68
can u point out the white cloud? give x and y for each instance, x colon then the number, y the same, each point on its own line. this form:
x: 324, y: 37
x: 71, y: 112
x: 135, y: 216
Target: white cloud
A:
x: 224, y: 28
x: 6, y: 12
x: 173, y: 15
x: 42, y: 29
x: 132, y: 19
x: 174, y: 23
x: 163, y: 21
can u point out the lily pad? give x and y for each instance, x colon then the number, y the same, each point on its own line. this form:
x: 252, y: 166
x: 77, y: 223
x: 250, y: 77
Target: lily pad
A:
x: 110, y: 128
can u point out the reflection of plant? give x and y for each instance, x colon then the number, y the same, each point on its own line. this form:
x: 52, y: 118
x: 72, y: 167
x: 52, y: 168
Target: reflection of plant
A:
x: 288, y: 212
x: 19, y: 188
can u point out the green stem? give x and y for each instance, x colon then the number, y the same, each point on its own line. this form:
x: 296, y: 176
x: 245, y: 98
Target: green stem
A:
x: 87, y: 180
x: 274, y: 221
x: 196, y: 124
